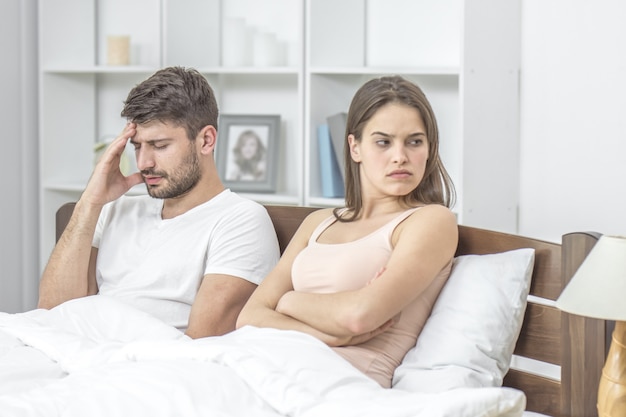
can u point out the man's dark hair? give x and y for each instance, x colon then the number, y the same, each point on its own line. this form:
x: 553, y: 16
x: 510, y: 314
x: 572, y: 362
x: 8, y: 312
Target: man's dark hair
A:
x: 177, y: 95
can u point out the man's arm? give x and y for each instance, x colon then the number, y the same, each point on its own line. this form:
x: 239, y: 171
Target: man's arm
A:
x: 70, y: 272
x: 243, y: 250
x: 217, y: 305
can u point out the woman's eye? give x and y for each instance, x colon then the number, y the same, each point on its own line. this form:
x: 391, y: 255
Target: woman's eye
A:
x: 382, y: 142
x: 416, y: 142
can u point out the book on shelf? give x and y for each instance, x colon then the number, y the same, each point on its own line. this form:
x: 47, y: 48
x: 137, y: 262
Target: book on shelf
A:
x: 337, y: 125
x: 332, y: 180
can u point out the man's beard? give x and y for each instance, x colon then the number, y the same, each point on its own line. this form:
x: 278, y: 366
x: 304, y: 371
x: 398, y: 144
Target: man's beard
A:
x: 179, y: 182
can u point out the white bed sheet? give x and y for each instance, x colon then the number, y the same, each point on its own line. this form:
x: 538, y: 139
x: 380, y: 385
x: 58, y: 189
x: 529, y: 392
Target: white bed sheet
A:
x: 95, y: 356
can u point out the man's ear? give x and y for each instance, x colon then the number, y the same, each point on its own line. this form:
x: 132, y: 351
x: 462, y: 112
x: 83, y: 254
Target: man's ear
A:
x: 354, y: 148
x: 208, y: 139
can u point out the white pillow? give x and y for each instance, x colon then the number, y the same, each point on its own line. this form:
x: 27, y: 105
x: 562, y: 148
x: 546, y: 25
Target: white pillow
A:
x: 469, y: 338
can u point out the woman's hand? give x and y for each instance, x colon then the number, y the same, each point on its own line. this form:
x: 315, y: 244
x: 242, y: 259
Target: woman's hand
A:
x: 337, y: 340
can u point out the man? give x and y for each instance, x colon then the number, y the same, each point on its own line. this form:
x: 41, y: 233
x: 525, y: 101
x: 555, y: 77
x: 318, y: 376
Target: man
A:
x: 190, y: 252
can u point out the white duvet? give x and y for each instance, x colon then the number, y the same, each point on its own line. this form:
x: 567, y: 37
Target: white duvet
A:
x: 97, y: 357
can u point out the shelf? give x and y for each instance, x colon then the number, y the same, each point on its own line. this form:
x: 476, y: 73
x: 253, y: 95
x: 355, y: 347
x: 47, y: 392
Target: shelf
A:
x: 106, y: 69
x: 278, y: 199
x: 78, y: 187
x: 251, y: 70
x: 100, y: 69
x: 326, y: 202
x: 465, y: 60
x: 453, y: 70
x: 140, y: 189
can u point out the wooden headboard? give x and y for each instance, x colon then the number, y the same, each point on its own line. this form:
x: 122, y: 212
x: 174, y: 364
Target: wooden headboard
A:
x: 577, y: 344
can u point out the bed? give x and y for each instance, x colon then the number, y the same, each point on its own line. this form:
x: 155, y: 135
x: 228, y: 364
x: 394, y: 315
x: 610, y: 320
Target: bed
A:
x: 95, y: 357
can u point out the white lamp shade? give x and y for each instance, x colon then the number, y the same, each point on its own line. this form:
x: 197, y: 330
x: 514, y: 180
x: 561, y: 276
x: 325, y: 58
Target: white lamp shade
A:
x: 598, y: 288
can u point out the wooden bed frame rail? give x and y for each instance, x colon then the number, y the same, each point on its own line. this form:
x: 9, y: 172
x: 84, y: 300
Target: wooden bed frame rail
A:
x: 577, y: 344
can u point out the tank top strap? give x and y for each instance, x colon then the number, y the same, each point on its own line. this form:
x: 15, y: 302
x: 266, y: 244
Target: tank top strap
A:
x: 387, y: 229
x: 391, y: 226
x: 321, y: 227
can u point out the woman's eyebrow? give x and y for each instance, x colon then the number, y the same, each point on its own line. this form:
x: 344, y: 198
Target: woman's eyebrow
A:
x: 381, y: 134
x: 390, y: 135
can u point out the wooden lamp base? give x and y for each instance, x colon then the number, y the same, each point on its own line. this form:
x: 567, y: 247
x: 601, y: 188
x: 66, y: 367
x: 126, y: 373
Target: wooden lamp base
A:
x: 612, y: 389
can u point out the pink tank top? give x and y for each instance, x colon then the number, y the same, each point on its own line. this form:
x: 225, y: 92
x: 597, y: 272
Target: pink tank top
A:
x: 324, y: 268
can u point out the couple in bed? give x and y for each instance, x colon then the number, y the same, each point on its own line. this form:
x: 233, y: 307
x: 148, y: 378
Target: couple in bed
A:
x: 362, y: 278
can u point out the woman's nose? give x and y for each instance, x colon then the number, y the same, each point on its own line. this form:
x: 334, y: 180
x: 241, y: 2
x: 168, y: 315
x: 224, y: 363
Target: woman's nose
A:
x: 399, y: 154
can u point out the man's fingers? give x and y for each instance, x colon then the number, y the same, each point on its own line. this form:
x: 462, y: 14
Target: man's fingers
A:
x: 134, y: 179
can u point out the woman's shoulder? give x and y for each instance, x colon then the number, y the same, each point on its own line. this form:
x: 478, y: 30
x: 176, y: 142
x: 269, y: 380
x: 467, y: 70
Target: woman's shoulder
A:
x: 430, y: 223
x: 302, y: 235
x: 316, y: 217
x: 435, y: 210
x: 432, y: 216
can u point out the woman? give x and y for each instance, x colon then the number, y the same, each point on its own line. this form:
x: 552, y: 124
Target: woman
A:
x: 363, y: 278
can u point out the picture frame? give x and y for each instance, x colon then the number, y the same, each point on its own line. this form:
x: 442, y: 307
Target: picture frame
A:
x: 247, y: 152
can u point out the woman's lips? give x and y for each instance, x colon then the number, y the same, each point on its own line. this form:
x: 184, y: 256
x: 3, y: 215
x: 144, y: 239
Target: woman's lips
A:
x: 400, y: 174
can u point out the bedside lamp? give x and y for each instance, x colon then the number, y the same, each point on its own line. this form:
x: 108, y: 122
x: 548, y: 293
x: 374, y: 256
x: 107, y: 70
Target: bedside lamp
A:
x: 598, y: 290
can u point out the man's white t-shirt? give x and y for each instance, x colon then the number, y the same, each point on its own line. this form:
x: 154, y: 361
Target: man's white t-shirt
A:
x: 157, y: 265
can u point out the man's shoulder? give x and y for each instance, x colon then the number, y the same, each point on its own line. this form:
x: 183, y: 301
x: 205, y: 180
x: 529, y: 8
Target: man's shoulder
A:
x: 237, y: 205
x: 228, y: 209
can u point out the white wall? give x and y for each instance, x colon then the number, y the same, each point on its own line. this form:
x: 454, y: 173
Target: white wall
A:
x: 19, y: 256
x: 573, y: 117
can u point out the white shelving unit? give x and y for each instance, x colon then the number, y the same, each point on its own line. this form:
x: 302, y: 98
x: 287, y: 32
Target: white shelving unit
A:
x: 464, y: 54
